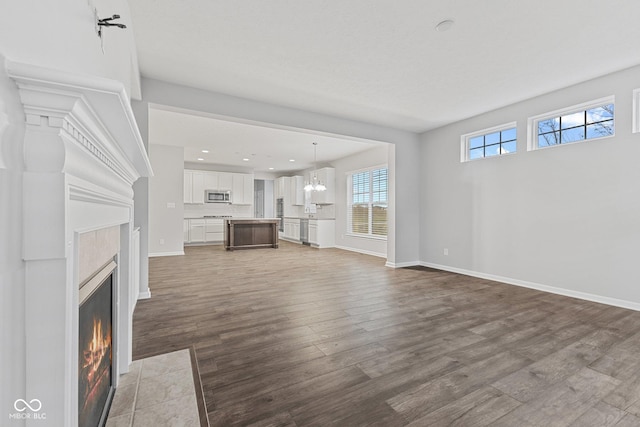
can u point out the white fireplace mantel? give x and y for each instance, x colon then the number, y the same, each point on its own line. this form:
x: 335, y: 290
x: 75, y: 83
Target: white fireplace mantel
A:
x: 82, y: 154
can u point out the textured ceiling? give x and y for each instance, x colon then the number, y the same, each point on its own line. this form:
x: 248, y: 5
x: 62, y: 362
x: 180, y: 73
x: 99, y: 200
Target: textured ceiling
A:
x: 382, y: 61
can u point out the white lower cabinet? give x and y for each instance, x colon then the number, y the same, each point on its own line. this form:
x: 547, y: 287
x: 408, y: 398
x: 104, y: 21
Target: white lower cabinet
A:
x: 313, y: 232
x: 196, y: 231
x: 322, y: 233
x: 291, y: 229
x: 214, y: 230
x: 201, y: 230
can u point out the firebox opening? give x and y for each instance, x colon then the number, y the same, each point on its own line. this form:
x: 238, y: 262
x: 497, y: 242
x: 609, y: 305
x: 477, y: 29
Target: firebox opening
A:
x: 95, y: 350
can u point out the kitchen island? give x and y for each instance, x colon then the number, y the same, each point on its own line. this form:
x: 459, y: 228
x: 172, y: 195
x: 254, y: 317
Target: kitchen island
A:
x: 245, y: 233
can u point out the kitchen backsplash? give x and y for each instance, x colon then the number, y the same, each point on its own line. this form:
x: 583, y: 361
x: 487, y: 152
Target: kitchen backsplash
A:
x: 245, y: 211
x: 237, y: 211
x: 323, y: 212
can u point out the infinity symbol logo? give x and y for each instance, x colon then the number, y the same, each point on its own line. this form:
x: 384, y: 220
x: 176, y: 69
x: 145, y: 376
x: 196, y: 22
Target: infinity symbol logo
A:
x: 37, y: 405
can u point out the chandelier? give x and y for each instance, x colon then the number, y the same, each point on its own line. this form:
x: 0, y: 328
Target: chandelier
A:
x: 315, y: 184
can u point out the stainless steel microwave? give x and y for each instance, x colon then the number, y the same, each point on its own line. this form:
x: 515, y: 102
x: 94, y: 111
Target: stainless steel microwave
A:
x: 217, y: 196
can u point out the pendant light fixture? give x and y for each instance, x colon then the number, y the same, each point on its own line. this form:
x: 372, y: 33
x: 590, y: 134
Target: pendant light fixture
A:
x: 315, y: 185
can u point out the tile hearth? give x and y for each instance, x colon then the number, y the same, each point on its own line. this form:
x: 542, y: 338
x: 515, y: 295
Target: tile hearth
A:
x: 157, y: 391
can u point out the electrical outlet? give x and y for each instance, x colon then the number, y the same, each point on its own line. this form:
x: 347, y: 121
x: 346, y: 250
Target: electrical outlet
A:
x: 446, y: 251
x: 162, y: 241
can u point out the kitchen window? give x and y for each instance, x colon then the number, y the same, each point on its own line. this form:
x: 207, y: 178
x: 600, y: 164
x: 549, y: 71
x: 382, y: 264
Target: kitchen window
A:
x: 591, y: 120
x: 494, y: 141
x: 367, y: 202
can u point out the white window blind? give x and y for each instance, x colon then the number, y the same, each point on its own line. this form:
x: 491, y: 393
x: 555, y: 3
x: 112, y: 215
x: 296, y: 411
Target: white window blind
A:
x: 367, y: 202
x: 379, y: 199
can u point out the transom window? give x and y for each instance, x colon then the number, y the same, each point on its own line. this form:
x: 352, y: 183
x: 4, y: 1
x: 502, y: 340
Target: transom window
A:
x: 489, y: 142
x: 367, y: 202
x: 578, y: 123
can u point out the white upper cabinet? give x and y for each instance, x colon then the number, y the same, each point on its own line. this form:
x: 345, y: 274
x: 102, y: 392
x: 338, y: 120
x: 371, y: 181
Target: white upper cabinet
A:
x: 187, y: 186
x: 242, y: 191
x: 297, y: 190
x: 211, y: 180
x: 237, y: 189
x: 280, y: 187
x: 197, y: 181
x: 225, y: 181
x: 218, y: 181
x: 248, y: 190
x: 197, y: 187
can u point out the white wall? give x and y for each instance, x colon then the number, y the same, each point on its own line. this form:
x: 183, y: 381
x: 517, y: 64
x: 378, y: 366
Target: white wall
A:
x: 61, y: 35
x: 373, y: 157
x: 12, y: 269
x: 57, y: 35
x: 165, y: 187
x: 403, y: 244
x: 565, y: 217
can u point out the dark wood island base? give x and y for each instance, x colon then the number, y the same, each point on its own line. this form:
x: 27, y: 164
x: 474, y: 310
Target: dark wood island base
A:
x: 250, y: 233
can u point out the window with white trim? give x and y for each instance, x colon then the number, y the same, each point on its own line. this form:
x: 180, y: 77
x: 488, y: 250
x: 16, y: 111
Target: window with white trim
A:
x: 367, y: 202
x: 490, y: 142
x: 591, y: 120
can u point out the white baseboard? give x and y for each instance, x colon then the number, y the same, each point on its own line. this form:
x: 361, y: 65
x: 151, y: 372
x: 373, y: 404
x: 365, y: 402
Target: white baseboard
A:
x: 314, y: 245
x: 286, y: 239
x: 540, y: 287
x: 157, y: 254
x: 145, y: 295
x: 361, y: 251
x: 402, y: 264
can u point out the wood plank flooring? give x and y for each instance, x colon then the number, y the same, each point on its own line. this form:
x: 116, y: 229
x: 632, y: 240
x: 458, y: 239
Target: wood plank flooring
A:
x: 297, y: 336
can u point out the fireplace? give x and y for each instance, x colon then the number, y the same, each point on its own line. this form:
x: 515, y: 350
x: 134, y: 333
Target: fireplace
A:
x: 81, y: 153
x: 95, y: 349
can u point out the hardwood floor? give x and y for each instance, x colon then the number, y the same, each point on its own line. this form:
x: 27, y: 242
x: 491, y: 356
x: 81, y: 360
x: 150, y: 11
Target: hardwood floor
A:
x: 297, y: 336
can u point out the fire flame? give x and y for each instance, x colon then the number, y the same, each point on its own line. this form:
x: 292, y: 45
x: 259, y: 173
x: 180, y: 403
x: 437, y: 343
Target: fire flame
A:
x: 98, y: 347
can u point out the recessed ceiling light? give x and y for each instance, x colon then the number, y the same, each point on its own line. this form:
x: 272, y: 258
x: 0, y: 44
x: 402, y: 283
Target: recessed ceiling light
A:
x: 245, y: 160
x: 292, y: 160
x: 271, y: 169
x: 444, y: 25
x: 200, y: 158
x: 205, y: 151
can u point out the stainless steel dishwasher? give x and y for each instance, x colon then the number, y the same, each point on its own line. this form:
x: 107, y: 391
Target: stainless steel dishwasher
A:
x: 304, y: 231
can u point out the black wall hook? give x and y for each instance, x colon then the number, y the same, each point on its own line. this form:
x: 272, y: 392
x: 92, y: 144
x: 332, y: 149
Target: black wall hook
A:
x: 106, y: 22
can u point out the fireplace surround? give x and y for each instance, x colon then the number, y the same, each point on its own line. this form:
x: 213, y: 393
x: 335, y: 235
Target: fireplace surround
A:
x: 82, y: 154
